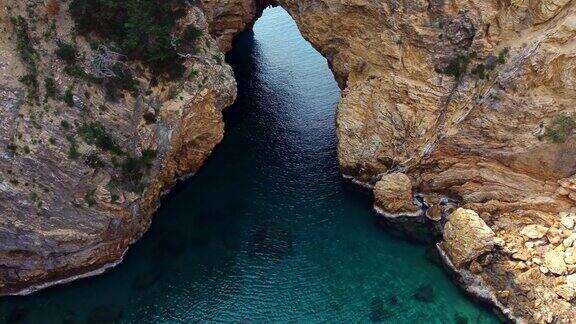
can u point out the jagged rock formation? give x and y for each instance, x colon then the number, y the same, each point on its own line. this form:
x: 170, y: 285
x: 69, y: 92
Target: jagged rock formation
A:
x: 228, y: 18
x: 471, y: 101
x: 466, y: 237
x: 81, y: 173
x: 394, y: 193
x: 475, y: 102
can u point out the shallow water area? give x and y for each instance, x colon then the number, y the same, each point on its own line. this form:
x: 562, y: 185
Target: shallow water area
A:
x: 268, y: 230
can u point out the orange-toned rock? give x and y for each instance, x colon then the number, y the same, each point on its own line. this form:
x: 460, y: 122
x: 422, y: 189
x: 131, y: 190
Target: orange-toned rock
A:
x: 466, y: 237
x: 76, y: 222
x: 393, y: 196
x: 465, y: 98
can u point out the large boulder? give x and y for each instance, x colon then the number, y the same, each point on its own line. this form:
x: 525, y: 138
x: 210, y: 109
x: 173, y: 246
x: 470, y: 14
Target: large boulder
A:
x: 534, y: 231
x: 466, y: 237
x: 554, y: 261
x: 393, y: 195
x: 565, y: 291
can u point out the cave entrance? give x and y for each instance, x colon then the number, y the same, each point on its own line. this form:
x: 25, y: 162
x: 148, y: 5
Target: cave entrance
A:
x: 290, y: 79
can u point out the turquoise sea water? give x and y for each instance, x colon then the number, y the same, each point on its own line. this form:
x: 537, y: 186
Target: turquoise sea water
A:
x: 268, y: 231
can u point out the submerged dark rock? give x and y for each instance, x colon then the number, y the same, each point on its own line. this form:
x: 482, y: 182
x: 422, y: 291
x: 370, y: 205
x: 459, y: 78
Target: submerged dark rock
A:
x: 69, y: 317
x: 199, y: 241
x: 172, y: 244
x: 231, y: 237
x: 207, y: 219
x: 377, y: 311
x: 237, y: 207
x: 425, y: 293
x: 433, y: 256
x: 145, y: 281
x: 393, y: 300
x: 460, y: 318
x: 336, y: 306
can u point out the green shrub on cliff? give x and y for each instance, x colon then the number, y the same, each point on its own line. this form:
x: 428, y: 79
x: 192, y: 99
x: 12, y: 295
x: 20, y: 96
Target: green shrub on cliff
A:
x: 66, y: 52
x: 68, y: 97
x: 73, y: 148
x: 141, y: 29
x: 90, y: 197
x: 93, y: 160
x: 24, y: 44
x: 457, y: 66
x: 562, y: 127
x: 96, y: 134
x: 75, y: 71
x: 480, y: 71
x: 51, y: 88
x: 188, y: 39
x: 123, y: 80
x: 29, y: 56
x: 503, y: 55
x: 150, y: 118
x: 31, y: 82
x: 134, y: 169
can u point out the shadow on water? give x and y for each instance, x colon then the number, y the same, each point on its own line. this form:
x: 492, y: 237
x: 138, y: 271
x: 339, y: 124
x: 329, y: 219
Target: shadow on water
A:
x: 267, y: 231
x: 270, y: 241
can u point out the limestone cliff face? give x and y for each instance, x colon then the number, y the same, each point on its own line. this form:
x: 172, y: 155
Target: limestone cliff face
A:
x: 474, y: 101
x: 66, y: 210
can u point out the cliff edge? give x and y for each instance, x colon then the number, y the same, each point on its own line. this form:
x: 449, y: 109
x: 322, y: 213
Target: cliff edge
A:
x: 470, y: 104
x: 91, y: 136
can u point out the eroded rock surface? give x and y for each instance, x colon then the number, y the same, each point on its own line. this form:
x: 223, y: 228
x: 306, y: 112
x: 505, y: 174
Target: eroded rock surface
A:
x: 393, y: 196
x: 474, y: 101
x: 81, y: 173
x: 466, y: 237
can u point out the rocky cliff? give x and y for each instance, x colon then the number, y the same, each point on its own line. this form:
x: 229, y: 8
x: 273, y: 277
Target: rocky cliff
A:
x: 470, y: 104
x: 83, y: 161
x: 445, y: 104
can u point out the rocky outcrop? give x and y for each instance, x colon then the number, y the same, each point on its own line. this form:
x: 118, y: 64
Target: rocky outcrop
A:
x: 393, y: 196
x: 228, y: 18
x: 466, y: 237
x: 80, y: 172
x: 475, y: 102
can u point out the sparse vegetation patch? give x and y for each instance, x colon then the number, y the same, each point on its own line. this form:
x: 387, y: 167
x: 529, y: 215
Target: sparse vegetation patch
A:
x: 29, y: 56
x: 66, y: 52
x: 503, y: 55
x: 149, y: 118
x: 134, y: 169
x: 50, y: 88
x: 24, y: 43
x: 90, y: 197
x: 73, y: 148
x: 480, y: 71
x: 562, y: 127
x: 75, y: 71
x: 96, y: 134
x: 68, y: 97
x: 141, y: 29
x: 457, y: 66
x: 93, y: 160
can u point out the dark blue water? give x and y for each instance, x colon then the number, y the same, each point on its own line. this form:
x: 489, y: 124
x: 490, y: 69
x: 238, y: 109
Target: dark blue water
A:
x: 268, y: 231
